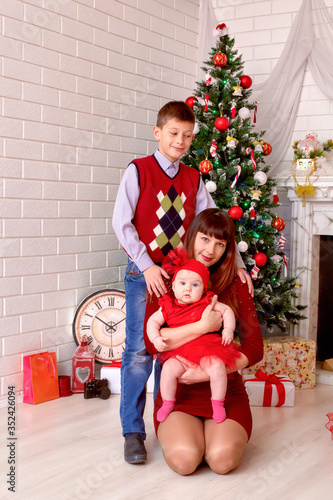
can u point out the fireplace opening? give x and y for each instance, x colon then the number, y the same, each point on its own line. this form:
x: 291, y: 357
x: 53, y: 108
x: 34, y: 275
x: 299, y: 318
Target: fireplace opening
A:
x: 325, y: 304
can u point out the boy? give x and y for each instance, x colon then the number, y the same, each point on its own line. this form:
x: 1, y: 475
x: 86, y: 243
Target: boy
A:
x: 157, y: 200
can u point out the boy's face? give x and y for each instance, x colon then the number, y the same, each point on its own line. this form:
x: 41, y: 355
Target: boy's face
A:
x: 187, y: 286
x: 174, y: 138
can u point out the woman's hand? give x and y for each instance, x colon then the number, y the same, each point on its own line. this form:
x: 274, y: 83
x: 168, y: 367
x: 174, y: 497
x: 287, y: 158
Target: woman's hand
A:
x: 193, y: 373
x: 211, y: 321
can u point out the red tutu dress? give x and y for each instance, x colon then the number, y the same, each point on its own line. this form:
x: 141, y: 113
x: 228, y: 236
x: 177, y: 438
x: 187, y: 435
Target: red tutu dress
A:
x: 208, y: 345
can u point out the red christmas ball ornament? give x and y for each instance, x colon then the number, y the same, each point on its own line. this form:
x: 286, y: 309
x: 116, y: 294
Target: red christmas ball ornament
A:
x: 221, y: 123
x: 260, y: 259
x: 220, y: 59
x: 266, y: 149
x: 235, y: 212
x: 245, y: 81
x: 190, y: 101
x: 205, y: 167
x: 278, y: 223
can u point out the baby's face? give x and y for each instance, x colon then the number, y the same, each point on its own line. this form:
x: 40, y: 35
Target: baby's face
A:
x: 188, y: 286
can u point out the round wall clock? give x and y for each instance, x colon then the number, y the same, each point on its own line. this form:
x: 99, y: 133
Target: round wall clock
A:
x: 101, y: 317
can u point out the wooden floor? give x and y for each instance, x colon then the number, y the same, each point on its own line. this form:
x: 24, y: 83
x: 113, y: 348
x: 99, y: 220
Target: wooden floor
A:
x: 71, y: 448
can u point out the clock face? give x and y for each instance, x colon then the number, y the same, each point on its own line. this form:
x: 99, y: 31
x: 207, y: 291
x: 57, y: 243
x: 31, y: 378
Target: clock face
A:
x: 101, y: 317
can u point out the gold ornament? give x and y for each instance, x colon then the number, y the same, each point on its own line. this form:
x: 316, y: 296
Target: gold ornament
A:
x: 256, y: 193
x: 231, y: 142
x: 237, y: 90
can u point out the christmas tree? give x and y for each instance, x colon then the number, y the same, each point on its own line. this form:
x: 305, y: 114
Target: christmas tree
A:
x: 231, y: 157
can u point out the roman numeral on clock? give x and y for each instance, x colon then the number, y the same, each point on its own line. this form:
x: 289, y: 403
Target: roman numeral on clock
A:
x: 98, y: 349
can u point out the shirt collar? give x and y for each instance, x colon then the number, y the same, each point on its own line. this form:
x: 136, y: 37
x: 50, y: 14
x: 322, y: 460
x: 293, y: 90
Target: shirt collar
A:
x: 164, y: 162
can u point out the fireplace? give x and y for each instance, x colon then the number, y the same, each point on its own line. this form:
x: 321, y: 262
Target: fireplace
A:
x: 325, y: 300
x: 310, y: 251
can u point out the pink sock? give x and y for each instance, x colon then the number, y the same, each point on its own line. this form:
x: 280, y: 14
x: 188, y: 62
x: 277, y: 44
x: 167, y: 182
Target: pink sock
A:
x: 166, y: 408
x: 219, y: 414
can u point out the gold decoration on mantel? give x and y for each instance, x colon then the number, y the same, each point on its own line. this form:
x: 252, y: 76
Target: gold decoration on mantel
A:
x: 308, y: 156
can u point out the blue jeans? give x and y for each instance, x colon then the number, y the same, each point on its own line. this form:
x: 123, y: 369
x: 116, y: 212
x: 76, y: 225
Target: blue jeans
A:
x: 136, y: 363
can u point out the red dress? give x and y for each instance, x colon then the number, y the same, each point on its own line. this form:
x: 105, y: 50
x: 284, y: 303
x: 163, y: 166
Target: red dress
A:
x: 195, y: 399
x: 176, y: 314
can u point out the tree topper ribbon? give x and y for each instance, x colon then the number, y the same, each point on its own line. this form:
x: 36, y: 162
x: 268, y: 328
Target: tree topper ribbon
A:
x: 271, y: 380
x: 249, y: 151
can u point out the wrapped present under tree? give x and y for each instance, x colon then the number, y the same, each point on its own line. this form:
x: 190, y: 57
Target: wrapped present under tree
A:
x: 269, y: 390
x: 291, y: 356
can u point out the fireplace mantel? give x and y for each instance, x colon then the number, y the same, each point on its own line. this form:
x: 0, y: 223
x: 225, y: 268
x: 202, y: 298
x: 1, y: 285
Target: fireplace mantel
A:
x: 307, y: 224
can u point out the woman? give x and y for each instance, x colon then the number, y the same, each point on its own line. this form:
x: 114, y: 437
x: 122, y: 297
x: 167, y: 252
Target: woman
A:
x: 189, y: 434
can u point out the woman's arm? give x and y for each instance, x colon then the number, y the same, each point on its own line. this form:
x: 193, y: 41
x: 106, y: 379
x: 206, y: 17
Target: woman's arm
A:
x: 248, y: 326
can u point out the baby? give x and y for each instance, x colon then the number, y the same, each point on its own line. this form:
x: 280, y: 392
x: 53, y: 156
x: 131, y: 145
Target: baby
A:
x: 210, y: 351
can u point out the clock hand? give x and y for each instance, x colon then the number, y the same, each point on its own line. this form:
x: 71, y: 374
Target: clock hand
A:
x: 115, y: 324
x: 109, y: 325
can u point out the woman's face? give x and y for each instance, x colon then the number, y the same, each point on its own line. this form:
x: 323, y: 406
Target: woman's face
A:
x: 207, y: 249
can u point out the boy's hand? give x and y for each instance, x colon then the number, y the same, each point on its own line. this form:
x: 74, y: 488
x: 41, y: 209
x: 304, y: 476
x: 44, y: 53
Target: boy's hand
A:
x: 227, y: 336
x: 246, y: 278
x: 154, y: 280
x: 160, y: 344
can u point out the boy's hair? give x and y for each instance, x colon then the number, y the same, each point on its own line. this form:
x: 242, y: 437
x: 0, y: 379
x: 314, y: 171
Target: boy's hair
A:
x: 175, y: 109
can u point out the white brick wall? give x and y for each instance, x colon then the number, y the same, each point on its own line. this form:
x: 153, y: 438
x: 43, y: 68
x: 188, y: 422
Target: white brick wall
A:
x: 81, y: 83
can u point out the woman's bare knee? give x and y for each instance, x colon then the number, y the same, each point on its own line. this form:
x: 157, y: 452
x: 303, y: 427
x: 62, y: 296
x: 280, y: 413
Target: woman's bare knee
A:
x: 183, y: 442
x: 183, y: 460
x: 223, y: 459
x: 225, y: 444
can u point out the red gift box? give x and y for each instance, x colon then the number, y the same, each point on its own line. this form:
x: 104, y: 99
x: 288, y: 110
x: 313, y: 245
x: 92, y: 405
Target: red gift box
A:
x: 269, y: 390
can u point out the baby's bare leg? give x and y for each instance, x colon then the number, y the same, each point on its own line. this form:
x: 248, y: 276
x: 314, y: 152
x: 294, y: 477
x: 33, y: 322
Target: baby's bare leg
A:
x: 172, y: 369
x: 217, y: 372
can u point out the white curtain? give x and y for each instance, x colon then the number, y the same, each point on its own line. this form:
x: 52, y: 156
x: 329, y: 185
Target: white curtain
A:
x: 206, y: 40
x: 310, y: 41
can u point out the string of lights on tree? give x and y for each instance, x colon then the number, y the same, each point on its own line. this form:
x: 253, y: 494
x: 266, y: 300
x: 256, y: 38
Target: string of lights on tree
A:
x: 231, y: 158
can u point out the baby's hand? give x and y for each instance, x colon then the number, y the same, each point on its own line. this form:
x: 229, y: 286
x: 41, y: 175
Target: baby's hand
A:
x: 227, y: 336
x: 160, y: 344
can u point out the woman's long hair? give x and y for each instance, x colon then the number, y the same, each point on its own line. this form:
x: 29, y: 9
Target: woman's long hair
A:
x: 217, y: 223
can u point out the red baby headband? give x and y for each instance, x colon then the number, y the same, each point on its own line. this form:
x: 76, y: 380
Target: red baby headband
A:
x: 178, y: 259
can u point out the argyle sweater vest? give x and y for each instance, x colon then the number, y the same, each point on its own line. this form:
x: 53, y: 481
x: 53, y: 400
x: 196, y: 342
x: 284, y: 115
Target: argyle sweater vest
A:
x: 166, y: 207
